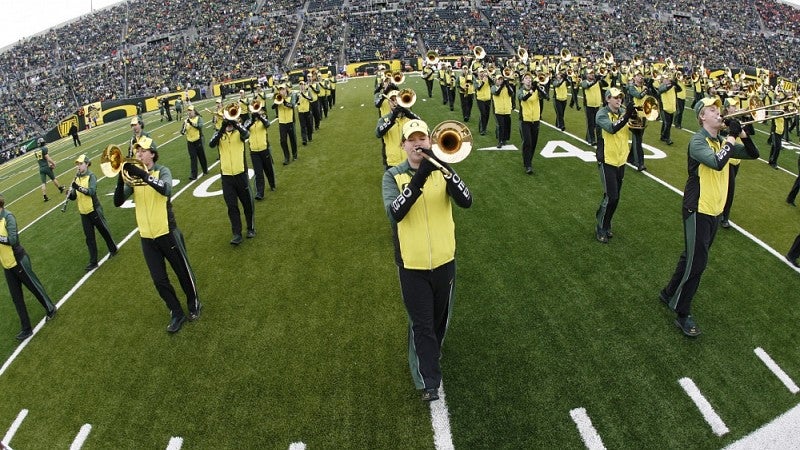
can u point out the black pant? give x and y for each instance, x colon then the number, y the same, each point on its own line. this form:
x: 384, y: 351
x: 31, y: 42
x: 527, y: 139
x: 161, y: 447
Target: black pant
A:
x: 427, y: 295
x: 235, y: 189
x: 76, y: 141
x: 530, y: 137
x: 699, y: 231
x: 794, y: 252
x: 262, y: 164
x: 170, y: 247
x: 316, y: 112
x: 22, y: 274
x: 429, y: 85
x: 680, y: 104
x: 591, y: 124
x: 796, y: 186
x: 466, y: 105
x: 611, y: 179
x: 445, y: 93
x: 484, y: 106
x: 196, y: 153
x: 666, y: 125
x: 503, y: 130
x: 96, y: 220
x: 560, y: 106
x: 451, y: 97
x: 732, y: 171
x: 306, y: 126
x: 636, y: 155
x: 775, y: 151
x: 287, y: 134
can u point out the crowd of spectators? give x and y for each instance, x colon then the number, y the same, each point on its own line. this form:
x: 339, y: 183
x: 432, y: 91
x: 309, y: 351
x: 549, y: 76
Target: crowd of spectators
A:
x: 140, y: 48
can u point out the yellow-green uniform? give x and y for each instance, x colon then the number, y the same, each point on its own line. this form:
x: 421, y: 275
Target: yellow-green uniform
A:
x: 593, y: 100
x: 419, y: 207
x: 304, y: 115
x: 235, y: 181
x: 668, y: 94
x: 776, y: 134
x: 703, y: 201
x: 84, y: 192
x: 612, y: 154
x: 561, y: 91
x: 483, y: 95
x: 193, y: 130
x: 530, y: 115
x: 18, y: 272
x: 501, y: 100
x: 161, y: 239
x: 390, y: 131
x: 260, y: 152
x: 427, y: 75
x: 45, y: 171
x: 680, y: 102
x: 466, y: 90
x: 285, y: 113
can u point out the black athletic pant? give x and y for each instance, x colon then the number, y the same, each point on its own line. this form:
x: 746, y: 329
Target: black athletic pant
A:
x: 699, y: 231
x: 466, y: 105
x: 503, y: 130
x: 733, y: 169
x: 591, y: 124
x: 235, y: 189
x: 262, y: 164
x: 196, y: 153
x: 484, y: 106
x: 170, y: 247
x: 427, y: 295
x: 636, y: 155
x: 21, y: 274
x: 560, y: 106
x: 91, y: 221
x: 611, y: 179
x: 796, y: 186
x: 530, y: 136
x: 287, y: 134
x: 306, y: 126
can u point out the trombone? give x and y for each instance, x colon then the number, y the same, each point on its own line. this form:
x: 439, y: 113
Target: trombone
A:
x: 398, y: 77
x: 452, y: 143
x: 406, y: 98
x: 231, y: 112
x: 112, y: 163
x: 761, y: 113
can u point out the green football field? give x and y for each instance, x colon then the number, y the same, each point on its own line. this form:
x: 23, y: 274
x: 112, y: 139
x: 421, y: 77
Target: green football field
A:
x: 556, y: 340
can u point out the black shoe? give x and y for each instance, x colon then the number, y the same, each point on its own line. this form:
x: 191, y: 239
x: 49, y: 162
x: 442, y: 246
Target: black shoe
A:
x: 24, y: 334
x: 285, y: 162
x: 601, y: 235
x: 175, y: 324
x: 237, y: 239
x: 192, y: 178
x: 113, y: 253
x: 91, y: 266
x: 529, y: 170
x: 792, y: 261
x: 668, y: 141
x: 194, y: 315
x: 272, y: 188
x: 641, y: 168
x: 609, y: 234
x: 259, y: 197
x: 51, y: 314
x: 251, y: 234
x: 61, y: 189
x: 429, y: 395
x: 724, y: 223
x: 295, y: 157
x: 499, y: 145
x: 687, y: 325
x: 304, y: 143
x: 46, y: 199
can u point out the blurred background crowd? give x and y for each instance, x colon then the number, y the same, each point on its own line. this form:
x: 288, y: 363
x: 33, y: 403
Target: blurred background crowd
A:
x: 147, y: 47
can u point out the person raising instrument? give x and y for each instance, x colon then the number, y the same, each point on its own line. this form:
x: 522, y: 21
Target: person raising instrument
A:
x: 84, y: 192
x: 529, y: 94
x: 390, y: 127
x: 637, y: 91
x: 502, y: 95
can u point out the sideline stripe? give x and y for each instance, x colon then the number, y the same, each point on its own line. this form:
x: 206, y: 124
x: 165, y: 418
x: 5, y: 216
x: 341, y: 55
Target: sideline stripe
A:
x: 297, y: 446
x: 440, y: 421
x: 712, y: 418
x: 175, y: 443
x: 785, y: 379
x: 81, y: 437
x: 15, y: 426
x: 588, y: 433
x: 779, y: 434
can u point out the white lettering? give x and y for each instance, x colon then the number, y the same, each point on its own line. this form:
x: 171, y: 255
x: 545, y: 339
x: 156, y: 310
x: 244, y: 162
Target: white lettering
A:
x: 564, y: 149
x: 203, y: 189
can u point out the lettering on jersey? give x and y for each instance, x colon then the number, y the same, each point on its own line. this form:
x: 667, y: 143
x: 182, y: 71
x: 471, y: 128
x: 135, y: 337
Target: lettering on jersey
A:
x: 723, y: 152
x: 460, y: 184
x: 401, y: 199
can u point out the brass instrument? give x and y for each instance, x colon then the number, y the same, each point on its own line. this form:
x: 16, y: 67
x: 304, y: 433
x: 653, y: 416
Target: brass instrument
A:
x: 522, y: 54
x: 566, y: 56
x: 608, y: 58
x: 231, y: 112
x: 508, y: 72
x: 669, y: 63
x: 278, y: 99
x: 398, y: 77
x: 256, y: 106
x: 432, y: 57
x: 542, y: 78
x: 637, y: 61
x: 112, y: 163
x: 452, y: 143
x: 491, y: 69
x: 406, y: 98
x: 762, y: 113
x: 695, y: 77
x: 478, y: 52
x: 648, y: 111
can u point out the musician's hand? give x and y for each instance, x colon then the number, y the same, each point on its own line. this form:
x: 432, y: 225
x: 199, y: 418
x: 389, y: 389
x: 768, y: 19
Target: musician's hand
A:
x: 630, y: 110
x: 135, y: 171
x: 75, y: 186
x: 734, y: 127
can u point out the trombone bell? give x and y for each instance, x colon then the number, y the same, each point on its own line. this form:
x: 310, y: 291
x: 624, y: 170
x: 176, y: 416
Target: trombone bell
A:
x: 406, y: 98
x: 231, y: 112
x: 452, y: 141
x: 479, y: 52
x: 112, y: 163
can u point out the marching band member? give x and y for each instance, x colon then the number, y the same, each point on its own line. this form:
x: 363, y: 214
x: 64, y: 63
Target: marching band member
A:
x: 704, y: 198
x: 637, y: 91
x: 593, y: 100
x: 160, y: 236
x: 84, y: 192
x: 777, y: 129
x: 283, y: 104
x: 680, y: 98
x: 734, y: 163
x: 244, y: 105
x: 18, y: 271
x: 235, y: 183
x: 193, y: 130
x: 450, y: 79
x: 304, y: 113
x: 137, y: 131
x: 380, y: 96
x: 418, y: 200
x: 561, y: 92
x: 390, y: 128
x: 502, y: 93
x: 466, y: 91
x: 427, y: 75
x: 218, y: 116
x: 668, y: 93
x: 483, y: 94
x: 260, y: 151
x: 612, y: 154
x: 332, y: 96
x: 324, y: 92
x: 529, y: 94
x: 441, y: 74
x: 316, y: 106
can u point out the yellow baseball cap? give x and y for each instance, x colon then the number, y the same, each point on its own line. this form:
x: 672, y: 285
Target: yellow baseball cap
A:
x: 614, y: 92
x: 414, y: 126
x: 82, y: 159
x: 706, y: 101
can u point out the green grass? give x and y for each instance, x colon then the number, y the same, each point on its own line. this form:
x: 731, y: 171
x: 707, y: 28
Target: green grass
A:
x: 303, y: 336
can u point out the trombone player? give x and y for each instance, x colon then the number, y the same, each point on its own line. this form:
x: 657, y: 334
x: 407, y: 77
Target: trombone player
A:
x: 390, y: 126
x: 637, y: 91
x: 84, y: 192
x: 466, y: 91
x: 530, y: 92
x: 483, y: 95
x: 193, y: 130
x: 427, y: 75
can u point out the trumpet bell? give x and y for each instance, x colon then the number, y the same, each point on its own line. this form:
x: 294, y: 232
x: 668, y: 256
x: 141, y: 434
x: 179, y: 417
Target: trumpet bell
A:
x: 278, y: 99
x: 432, y: 57
x: 608, y: 58
x: 452, y: 141
x: 406, y: 98
x: 231, y: 112
x: 398, y: 77
x: 650, y: 108
x: 566, y: 56
x: 522, y: 54
x: 112, y: 163
x: 255, y: 106
x: 479, y: 52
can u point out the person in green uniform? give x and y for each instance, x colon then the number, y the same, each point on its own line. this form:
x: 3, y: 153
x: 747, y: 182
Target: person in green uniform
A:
x: 46, y: 166
x: 18, y: 270
x: 193, y: 130
x: 418, y: 200
x: 84, y: 192
x: 161, y: 239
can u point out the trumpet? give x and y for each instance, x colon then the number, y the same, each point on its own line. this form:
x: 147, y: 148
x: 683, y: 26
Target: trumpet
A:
x: 112, y: 163
x: 231, y: 112
x: 478, y: 52
x: 406, y: 98
x: 452, y: 143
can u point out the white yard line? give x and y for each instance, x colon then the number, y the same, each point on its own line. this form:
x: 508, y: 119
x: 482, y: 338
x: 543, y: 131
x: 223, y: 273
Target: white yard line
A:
x: 712, y: 418
x: 81, y: 437
x: 587, y: 431
x: 775, y: 368
x: 15, y: 426
x: 440, y: 421
x: 175, y: 443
